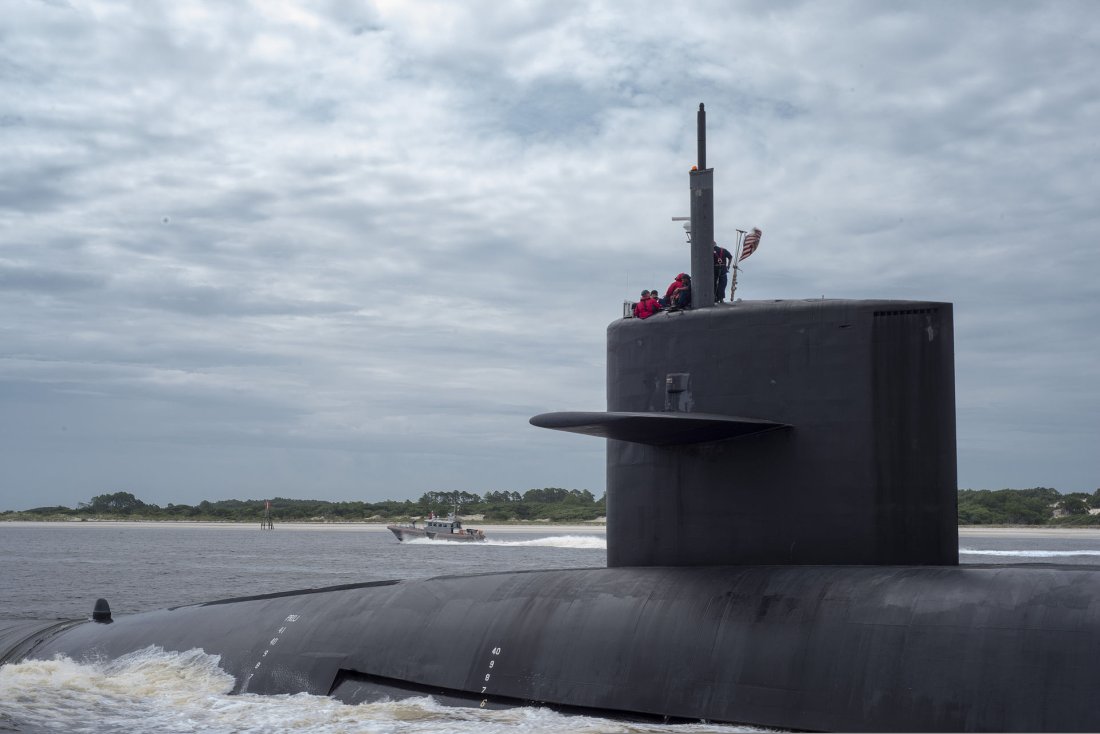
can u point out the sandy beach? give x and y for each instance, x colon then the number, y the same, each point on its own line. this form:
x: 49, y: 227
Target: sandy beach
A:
x: 1028, y: 531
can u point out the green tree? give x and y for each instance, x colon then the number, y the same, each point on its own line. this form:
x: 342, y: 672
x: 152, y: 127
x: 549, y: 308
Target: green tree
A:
x: 443, y: 503
x: 55, y: 510
x: 1075, y: 506
x: 1007, y: 506
x: 119, y: 503
x: 546, y: 494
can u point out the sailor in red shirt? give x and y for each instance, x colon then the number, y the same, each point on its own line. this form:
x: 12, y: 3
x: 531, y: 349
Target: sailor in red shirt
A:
x: 681, y: 297
x: 667, y: 300
x: 646, y: 307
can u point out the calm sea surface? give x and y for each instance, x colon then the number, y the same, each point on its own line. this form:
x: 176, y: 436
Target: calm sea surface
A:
x: 58, y: 570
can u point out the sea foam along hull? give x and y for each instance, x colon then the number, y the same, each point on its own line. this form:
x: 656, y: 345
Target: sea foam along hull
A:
x: 994, y: 648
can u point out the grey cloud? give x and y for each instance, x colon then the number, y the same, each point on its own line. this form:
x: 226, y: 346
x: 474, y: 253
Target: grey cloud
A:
x: 382, y: 251
x: 356, y: 16
x: 43, y: 191
x: 208, y: 301
x: 550, y: 108
x: 45, y: 280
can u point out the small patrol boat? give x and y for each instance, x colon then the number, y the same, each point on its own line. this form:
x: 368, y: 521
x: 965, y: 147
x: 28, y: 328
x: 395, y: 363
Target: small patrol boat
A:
x: 437, y: 529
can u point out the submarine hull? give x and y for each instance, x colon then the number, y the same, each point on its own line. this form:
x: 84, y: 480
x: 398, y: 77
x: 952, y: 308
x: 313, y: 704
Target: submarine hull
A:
x: 855, y: 648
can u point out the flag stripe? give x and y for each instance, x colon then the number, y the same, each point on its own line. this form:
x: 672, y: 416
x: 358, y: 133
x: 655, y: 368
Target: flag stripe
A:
x: 752, y: 241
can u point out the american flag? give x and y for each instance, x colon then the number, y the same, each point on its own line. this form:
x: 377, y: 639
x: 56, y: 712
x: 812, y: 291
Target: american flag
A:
x: 752, y: 241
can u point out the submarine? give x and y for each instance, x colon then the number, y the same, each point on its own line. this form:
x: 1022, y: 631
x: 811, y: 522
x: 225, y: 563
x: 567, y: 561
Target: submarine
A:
x: 782, y: 551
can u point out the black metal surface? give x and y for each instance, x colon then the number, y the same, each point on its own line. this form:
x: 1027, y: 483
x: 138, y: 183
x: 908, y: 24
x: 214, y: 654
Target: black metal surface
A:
x: 701, y: 189
x: 19, y: 636
x: 865, y: 476
x: 102, y: 612
x: 702, y: 238
x: 701, y: 136
x: 854, y: 648
x: 656, y: 429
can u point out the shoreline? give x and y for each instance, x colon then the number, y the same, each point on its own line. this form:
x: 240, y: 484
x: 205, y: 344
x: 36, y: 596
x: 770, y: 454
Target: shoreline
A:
x: 1035, y: 531
x: 367, y: 527
x: 536, y: 527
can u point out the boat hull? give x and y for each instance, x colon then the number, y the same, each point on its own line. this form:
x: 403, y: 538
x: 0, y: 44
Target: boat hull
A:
x: 404, y: 533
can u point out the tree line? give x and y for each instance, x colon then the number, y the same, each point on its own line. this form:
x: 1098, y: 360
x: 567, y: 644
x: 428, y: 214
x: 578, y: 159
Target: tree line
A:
x: 552, y: 504
x: 1035, y: 506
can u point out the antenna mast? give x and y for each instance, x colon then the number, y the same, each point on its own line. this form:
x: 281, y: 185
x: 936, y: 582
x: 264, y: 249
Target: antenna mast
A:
x: 701, y: 185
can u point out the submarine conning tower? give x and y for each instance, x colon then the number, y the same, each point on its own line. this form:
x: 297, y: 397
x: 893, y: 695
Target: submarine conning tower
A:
x: 777, y: 432
x: 780, y: 432
x: 855, y: 464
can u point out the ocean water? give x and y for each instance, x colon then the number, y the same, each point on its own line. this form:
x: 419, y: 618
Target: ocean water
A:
x: 52, y: 571
x: 57, y: 570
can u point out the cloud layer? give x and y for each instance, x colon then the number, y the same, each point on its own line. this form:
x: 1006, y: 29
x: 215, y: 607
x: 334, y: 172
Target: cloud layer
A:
x: 344, y: 250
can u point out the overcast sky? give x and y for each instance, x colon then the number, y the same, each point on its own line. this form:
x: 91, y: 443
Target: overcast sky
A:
x: 345, y: 249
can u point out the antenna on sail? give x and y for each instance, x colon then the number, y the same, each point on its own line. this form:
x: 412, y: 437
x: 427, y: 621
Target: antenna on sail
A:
x: 701, y: 185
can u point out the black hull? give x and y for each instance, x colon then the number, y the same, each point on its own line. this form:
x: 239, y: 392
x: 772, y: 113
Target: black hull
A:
x: 824, y: 648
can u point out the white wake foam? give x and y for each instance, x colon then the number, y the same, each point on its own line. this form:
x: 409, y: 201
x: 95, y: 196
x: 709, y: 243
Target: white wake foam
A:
x: 587, y: 542
x: 592, y: 542
x: 1029, y: 553
x: 155, y: 691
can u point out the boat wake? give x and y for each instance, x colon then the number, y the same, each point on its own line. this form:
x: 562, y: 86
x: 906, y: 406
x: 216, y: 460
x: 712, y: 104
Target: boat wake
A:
x: 557, y: 541
x: 584, y: 542
x: 1028, y: 553
x: 156, y: 691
